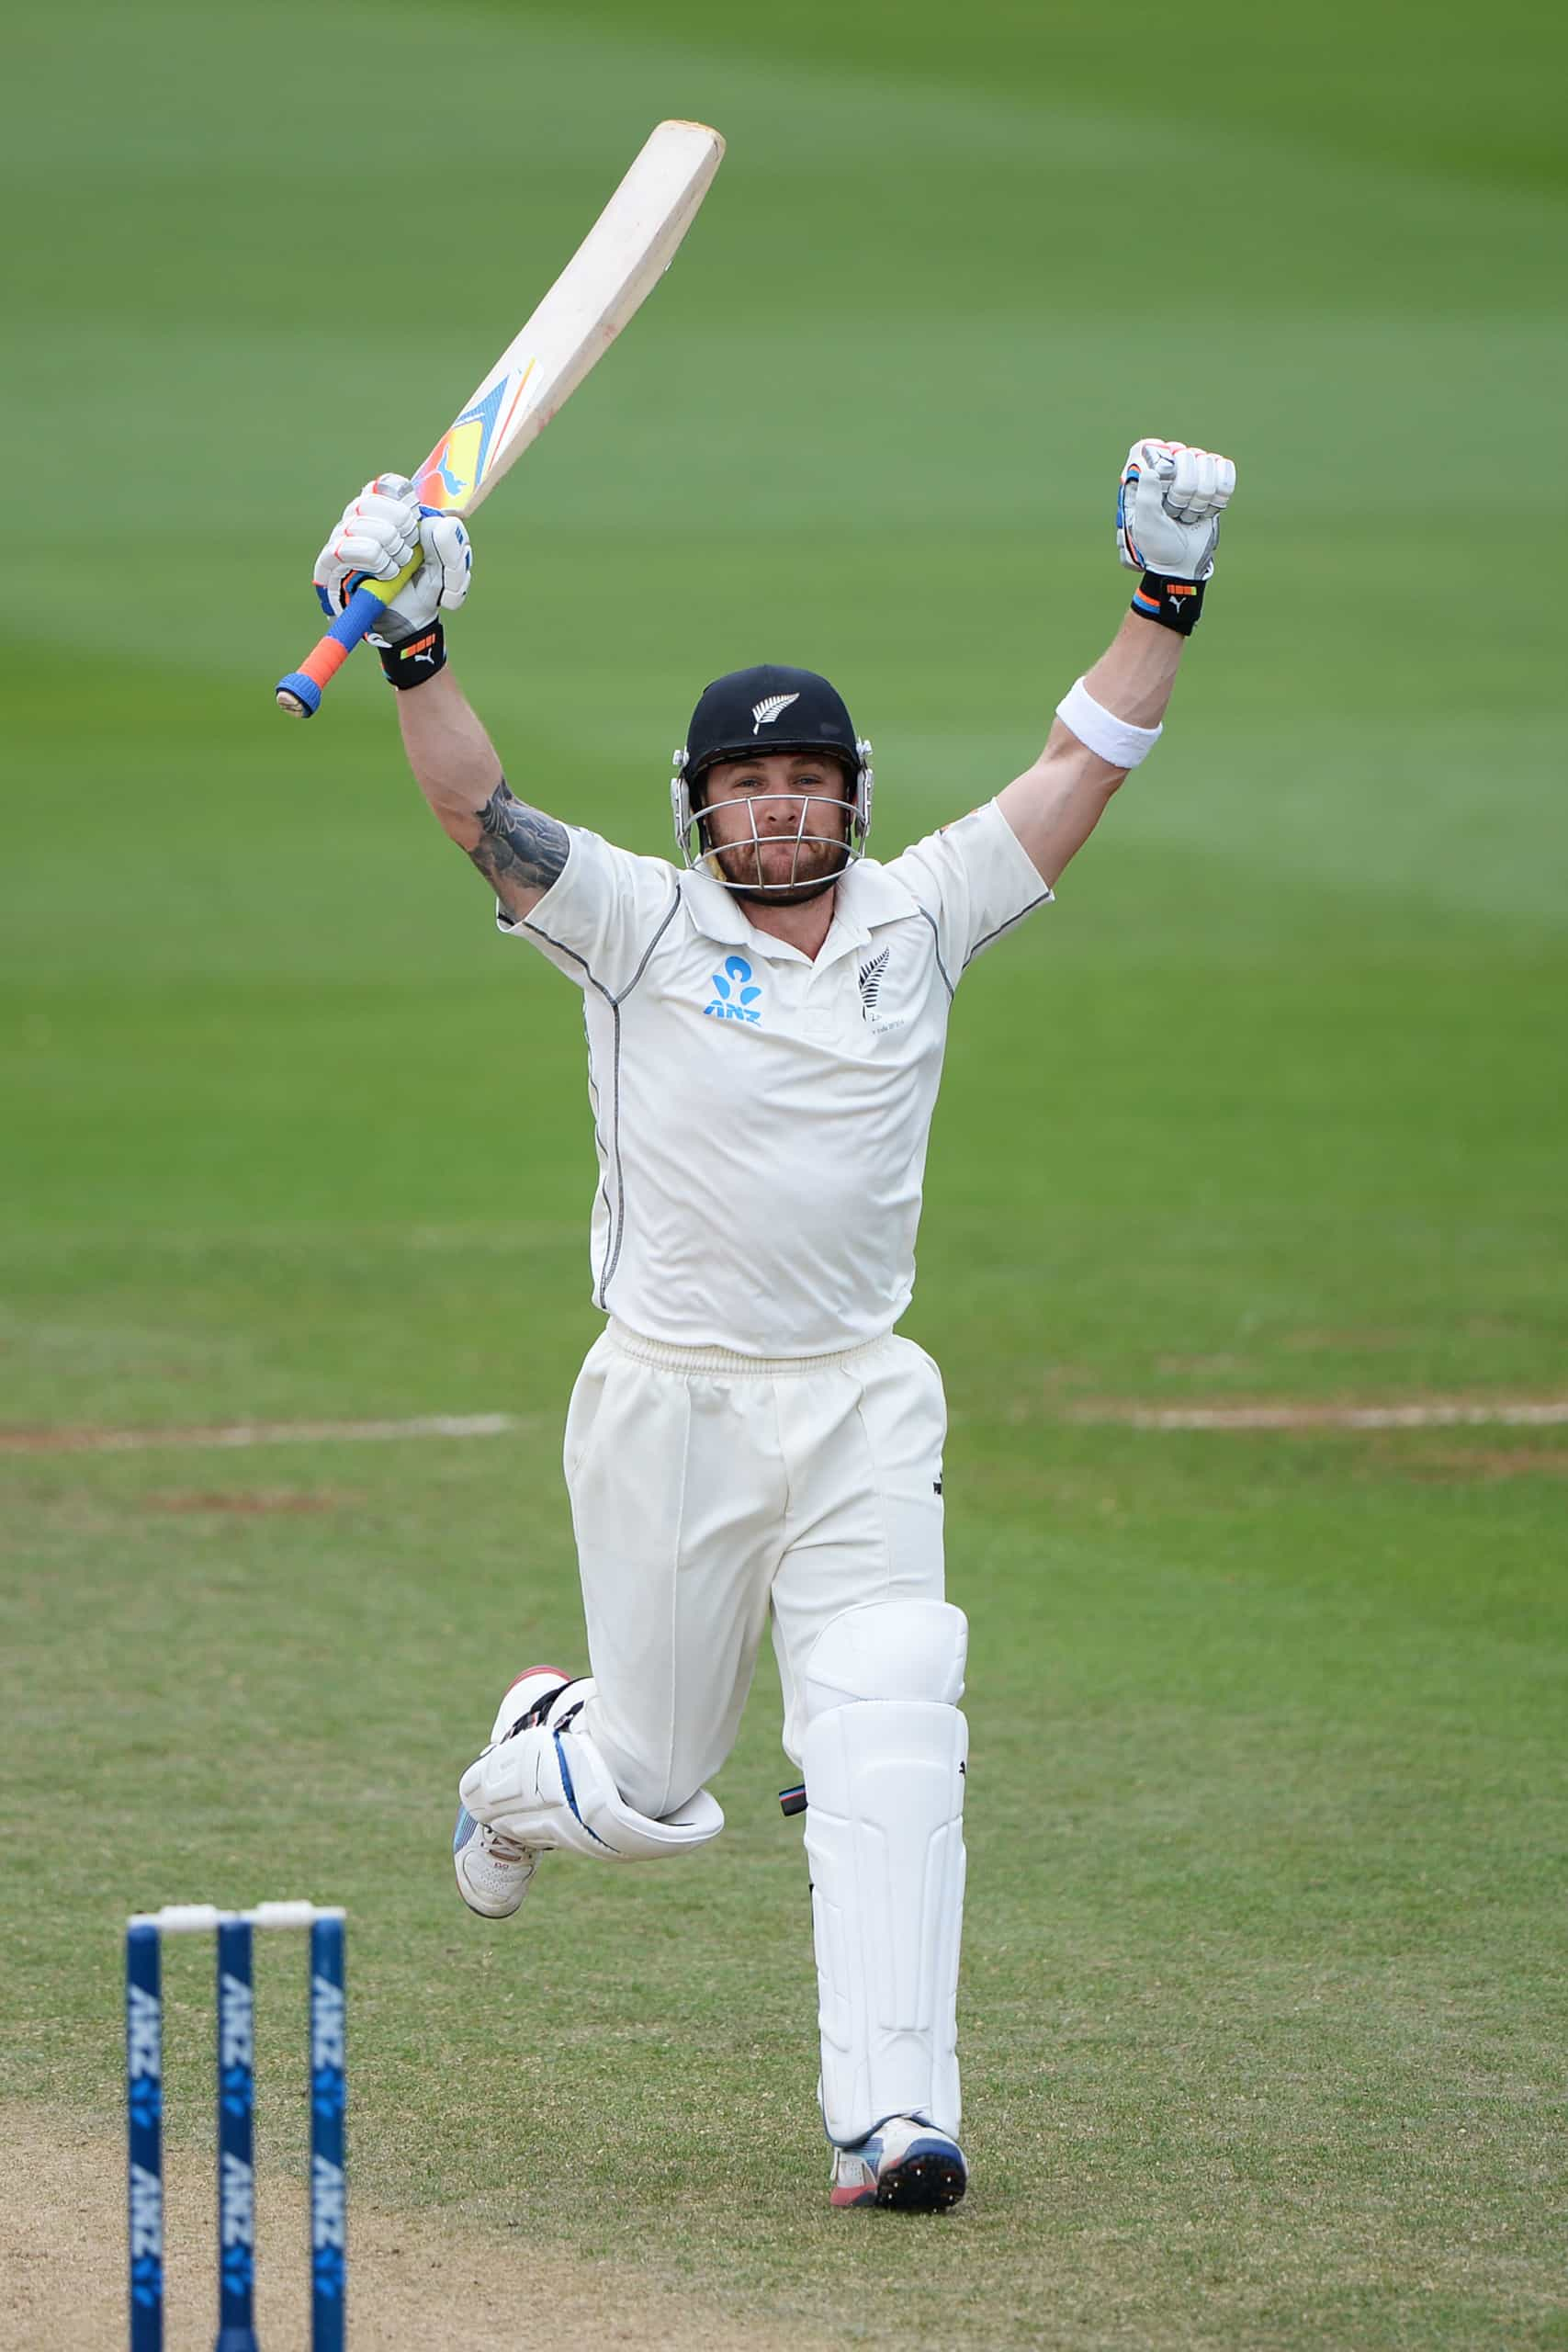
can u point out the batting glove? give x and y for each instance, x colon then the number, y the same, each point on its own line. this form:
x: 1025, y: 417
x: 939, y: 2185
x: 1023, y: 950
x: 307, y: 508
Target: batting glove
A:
x: 379, y: 532
x: 1167, y: 508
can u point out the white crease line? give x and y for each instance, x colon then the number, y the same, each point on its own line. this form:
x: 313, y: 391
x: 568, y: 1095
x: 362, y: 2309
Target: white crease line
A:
x: 238, y: 1436
x: 241, y: 1434
x: 1505, y: 1415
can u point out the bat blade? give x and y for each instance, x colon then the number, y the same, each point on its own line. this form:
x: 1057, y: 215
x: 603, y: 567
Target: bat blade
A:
x: 616, y: 267
x: 604, y: 285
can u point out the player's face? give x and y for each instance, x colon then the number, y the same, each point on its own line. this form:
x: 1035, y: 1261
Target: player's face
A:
x: 778, y: 822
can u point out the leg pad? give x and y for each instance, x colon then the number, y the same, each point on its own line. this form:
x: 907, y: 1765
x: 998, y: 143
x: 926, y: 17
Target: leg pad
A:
x: 549, y: 1786
x: 885, y: 1760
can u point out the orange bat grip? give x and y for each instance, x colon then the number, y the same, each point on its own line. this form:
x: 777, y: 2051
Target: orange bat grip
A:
x: 324, y: 660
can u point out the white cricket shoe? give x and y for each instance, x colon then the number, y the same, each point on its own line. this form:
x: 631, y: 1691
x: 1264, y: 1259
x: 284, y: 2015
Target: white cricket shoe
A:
x: 906, y: 2163
x: 493, y: 1869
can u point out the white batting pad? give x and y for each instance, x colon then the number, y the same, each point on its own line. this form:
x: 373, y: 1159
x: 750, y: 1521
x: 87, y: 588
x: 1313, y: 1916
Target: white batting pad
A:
x: 520, y: 1695
x: 884, y: 1762
x: 552, y: 1789
x: 889, y: 1649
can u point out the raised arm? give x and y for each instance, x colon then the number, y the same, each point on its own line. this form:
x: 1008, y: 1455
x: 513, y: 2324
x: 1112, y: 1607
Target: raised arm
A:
x: 1168, y: 512
x: 519, y: 850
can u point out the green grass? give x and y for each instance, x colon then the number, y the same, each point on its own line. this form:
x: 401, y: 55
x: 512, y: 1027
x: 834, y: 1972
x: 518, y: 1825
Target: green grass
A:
x: 1263, y: 2011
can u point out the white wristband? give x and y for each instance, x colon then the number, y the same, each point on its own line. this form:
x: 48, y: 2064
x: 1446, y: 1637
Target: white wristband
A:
x: 1114, y: 739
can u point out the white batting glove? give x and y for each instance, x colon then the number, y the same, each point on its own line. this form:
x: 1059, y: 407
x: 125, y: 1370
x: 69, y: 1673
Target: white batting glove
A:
x: 378, y: 532
x: 1169, y: 505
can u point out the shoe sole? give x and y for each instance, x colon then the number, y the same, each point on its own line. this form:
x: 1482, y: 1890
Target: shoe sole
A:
x: 928, y: 2181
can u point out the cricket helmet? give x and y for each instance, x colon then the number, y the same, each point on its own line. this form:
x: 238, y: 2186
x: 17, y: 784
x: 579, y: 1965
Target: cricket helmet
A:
x: 769, y: 708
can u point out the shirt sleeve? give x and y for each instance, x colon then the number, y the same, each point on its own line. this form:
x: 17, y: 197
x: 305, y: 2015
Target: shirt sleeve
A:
x: 976, y: 880
x: 603, y: 916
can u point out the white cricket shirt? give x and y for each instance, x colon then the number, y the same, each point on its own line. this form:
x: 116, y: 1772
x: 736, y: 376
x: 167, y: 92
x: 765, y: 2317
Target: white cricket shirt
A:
x: 761, y: 1118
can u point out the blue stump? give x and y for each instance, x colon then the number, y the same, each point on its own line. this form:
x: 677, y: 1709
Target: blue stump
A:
x: 145, y: 2123
x: 328, y: 2099
x: 236, y: 2140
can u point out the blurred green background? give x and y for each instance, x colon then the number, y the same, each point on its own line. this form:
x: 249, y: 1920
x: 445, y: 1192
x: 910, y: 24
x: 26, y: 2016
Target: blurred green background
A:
x: 1265, y: 2024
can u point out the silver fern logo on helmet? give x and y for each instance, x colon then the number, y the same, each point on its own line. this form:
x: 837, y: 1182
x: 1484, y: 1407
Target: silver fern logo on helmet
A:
x: 764, y: 713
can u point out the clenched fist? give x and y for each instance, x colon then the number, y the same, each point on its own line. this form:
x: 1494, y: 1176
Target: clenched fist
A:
x: 1169, y: 506
x: 379, y: 532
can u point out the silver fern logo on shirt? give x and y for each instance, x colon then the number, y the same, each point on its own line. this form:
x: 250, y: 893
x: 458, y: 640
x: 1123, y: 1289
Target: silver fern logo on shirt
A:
x: 871, y: 982
x: 870, y: 976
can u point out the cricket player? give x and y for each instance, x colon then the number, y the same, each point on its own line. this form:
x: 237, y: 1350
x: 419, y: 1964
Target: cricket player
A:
x: 751, y: 1443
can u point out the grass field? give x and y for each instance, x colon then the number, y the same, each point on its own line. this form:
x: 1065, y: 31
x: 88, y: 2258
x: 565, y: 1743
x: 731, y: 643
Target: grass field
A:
x: 1264, y: 1995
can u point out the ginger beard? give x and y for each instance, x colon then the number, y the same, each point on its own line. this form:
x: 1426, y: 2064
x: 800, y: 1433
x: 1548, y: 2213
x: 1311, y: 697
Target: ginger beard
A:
x: 777, y: 828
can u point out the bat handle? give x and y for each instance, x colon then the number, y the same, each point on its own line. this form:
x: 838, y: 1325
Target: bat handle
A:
x: 300, y: 692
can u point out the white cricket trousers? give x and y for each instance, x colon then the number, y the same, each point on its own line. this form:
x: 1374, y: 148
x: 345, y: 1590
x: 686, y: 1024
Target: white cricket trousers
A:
x: 709, y: 1489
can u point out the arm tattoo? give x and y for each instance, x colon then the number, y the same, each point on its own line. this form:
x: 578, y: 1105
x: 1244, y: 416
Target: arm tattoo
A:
x: 520, y: 848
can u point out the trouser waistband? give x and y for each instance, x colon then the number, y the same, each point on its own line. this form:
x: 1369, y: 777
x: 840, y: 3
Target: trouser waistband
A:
x: 726, y: 1360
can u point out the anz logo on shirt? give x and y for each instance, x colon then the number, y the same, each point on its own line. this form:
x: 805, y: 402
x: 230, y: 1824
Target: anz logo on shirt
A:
x: 735, y: 993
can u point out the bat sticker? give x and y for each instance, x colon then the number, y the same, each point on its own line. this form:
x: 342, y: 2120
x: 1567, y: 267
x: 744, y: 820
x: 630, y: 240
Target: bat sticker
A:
x: 455, y: 468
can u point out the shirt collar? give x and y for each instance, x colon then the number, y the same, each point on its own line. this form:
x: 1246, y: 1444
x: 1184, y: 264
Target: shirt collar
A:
x: 716, y: 914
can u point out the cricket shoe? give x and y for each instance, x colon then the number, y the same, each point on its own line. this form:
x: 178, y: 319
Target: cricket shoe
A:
x: 906, y: 2163
x: 493, y: 1869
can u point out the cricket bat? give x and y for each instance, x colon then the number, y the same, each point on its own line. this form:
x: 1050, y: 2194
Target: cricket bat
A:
x: 617, y: 266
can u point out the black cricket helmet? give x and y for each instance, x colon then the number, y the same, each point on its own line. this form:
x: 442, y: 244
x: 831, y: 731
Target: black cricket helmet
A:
x: 769, y: 708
